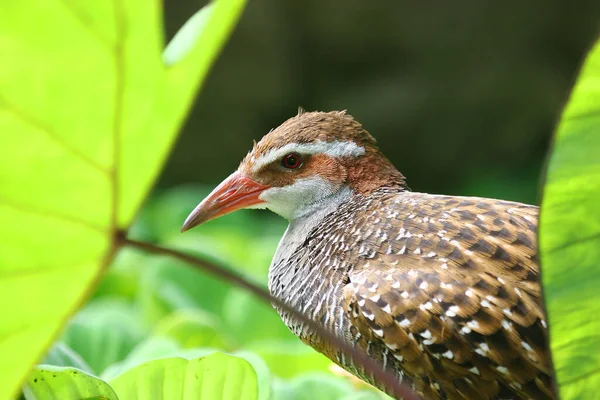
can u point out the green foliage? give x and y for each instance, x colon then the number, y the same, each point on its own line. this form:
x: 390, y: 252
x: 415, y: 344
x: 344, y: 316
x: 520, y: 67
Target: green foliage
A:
x: 61, y: 355
x: 320, y: 387
x: 104, y: 332
x: 48, y: 382
x: 218, y: 376
x: 148, y: 308
x: 570, y: 239
x: 289, y: 358
x: 192, y: 328
x: 84, y: 137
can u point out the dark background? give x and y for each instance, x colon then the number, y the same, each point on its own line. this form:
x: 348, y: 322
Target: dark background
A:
x: 462, y: 96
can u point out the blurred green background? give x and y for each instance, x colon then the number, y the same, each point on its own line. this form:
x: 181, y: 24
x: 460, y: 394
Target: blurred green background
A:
x: 462, y: 97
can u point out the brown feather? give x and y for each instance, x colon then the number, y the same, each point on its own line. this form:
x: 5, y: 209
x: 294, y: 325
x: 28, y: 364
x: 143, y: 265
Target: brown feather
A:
x: 443, y: 291
x: 440, y: 297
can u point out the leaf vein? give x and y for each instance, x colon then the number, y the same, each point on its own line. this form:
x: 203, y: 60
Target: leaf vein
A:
x: 88, y: 24
x: 40, y: 126
x: 118, y: 105
x: 574, y: 242
x: 28, y: 208
x: 581, y: 377
x: 20, y: 273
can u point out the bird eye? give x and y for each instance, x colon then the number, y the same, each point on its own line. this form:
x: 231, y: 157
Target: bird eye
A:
x: 291, y: 161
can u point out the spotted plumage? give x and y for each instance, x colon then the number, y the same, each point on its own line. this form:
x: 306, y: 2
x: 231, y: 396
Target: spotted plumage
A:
x: 443, y: 291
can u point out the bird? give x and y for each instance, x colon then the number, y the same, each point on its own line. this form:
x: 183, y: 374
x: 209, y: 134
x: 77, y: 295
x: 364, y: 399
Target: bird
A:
x: 442, y: 291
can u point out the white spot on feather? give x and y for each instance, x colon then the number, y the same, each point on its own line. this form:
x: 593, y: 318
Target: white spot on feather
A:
x: 502, y: 370
x: 526, y: 346
x: 369, y: 315
x: 515, y: 385
x: 452, y: 310
x: 483, y: 349
x: 404, y: 323
x: 473, y: 324
x: 449, y: 354
x: 400, y: 234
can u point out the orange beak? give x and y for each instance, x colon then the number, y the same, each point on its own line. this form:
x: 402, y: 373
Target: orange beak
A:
x: 235, y: 192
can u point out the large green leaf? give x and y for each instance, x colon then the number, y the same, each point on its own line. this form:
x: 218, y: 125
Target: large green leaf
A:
x: 48, y: 382
x: 162, y: 347
x: 216, y: 377
x: 570, y: 239
x: 88, y: 112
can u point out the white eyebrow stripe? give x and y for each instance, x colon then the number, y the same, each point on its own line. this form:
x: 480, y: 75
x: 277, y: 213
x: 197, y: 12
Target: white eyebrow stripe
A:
x: 333, y: 149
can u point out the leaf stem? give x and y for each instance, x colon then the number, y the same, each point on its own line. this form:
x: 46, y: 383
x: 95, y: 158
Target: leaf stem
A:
x: 395, y: 387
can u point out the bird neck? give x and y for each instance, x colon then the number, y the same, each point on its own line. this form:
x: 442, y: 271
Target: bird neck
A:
x: 300, y: 227
x: 373, y: 171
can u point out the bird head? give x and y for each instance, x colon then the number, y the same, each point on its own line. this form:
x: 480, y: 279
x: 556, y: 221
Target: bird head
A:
x: 298, y: 166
